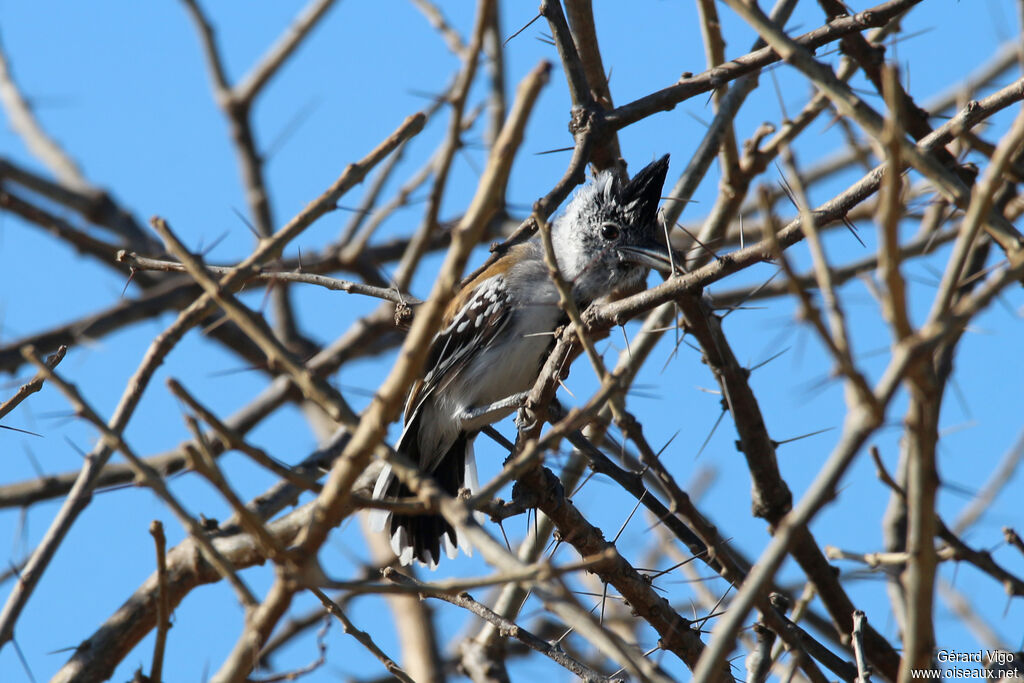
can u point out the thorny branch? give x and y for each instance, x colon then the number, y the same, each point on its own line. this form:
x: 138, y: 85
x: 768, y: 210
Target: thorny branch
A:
x: 943, y: 194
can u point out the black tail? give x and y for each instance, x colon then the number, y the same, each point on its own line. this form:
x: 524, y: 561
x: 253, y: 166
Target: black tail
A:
x: 425, y: 533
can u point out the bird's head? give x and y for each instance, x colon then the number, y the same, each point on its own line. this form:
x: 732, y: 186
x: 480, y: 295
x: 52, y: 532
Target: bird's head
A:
x: 606, y: 242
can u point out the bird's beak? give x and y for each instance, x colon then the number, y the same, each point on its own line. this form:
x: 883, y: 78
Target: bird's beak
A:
x: 649, y: 256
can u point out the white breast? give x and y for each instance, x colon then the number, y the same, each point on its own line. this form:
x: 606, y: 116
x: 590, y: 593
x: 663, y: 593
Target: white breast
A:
x: 512, y: 362
x: 507, y: 366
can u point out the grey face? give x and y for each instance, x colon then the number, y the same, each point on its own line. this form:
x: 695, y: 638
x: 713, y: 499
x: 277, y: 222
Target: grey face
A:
x: 606, y: 240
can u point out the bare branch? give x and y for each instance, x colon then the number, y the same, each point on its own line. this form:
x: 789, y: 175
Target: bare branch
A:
x: 163, y: 609
x: 362, y: 636
x: 33, y: 385
x: 506, y: 626
x: 252, y: 83
x: 23, y: 121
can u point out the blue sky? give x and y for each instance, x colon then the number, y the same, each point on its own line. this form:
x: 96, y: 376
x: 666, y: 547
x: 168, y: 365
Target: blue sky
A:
x: 122, y: 86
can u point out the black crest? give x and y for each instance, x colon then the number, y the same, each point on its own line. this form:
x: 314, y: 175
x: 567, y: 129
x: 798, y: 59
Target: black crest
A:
x: 641, y: 195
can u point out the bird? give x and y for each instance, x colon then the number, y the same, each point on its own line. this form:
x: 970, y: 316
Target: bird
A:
x: 496, y: 334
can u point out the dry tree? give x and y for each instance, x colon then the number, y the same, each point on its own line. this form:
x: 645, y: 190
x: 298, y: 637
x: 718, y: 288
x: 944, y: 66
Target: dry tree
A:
x: 800, y: 521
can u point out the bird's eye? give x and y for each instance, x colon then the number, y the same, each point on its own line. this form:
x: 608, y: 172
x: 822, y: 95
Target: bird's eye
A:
x: 610, y: 232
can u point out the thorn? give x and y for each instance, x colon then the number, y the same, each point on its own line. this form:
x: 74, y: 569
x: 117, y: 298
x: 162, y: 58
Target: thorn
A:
x: 539, y: 15
x: 504, y: 535
x: 35, y: 463
x: 291, y: 127
x: 694, y: 238
x: 710, y: 434
x: 604, y: 598
x: 632, y: 512
x: 853, y: 230
x: 657, y: 456
x: 699, y: 119
x: 625, y: 339
x: 131, y: 276
x: 214, y: 243
x: 266, y: 295
x: 75, y: 448
x: 579, y: 487
x: 567, y: 390
x: 23, y: 431
x: 553, y: 151
x: 769, y: 360
x: 803, y: 436
x: 241, y: 216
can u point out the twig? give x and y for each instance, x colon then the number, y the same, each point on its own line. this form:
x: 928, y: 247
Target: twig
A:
x: 163, y: 609
x: 80, y: 492
x: 142, y: 263
x: 236, y: 104
x: 113, y: 640
x: 448, y: 33
x: 146, y: 475
x: 881, y: 560
x: 452, y: 142
x: 321, y: 657
x: 575, y: 75
x: 353, y: 245
x: 732, y: 298
x: 231, y: 438
x: 92, y: 204
x: 674, y: 630
x: 863, y: 670
x: 977, y: 212
x: 621, y: 311
x: 497, y: 104
x: 33, y: 385
x: 506, y: 627
x: 837, y: 340
x: 1005, y: 57
x: 555, y: 598
x: 375, y: 331
x: 526, y: 574
x: 252, y: 83
x: 960, y: 551
x: 771, y: 497
x: 580, y: 14
x: 759, y: 661
x: 332, y: 501
x: 707, y: 545
x: 848, y: 104
x: 860, y: 423
x: 1013, y: 538
x: 997, y: 481
x: 392, y: 392
x: 315, y: 389
x: 714, y: 54
x: 202, y: 462
x: 81, y: 241
x: 178, y: 295
x: 691, y: 86
x: 362, y: 636
x: 22, y: 119
x: 891, y: 212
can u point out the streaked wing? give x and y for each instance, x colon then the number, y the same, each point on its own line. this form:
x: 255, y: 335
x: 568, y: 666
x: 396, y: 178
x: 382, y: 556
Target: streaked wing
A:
x: 480, y: 316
